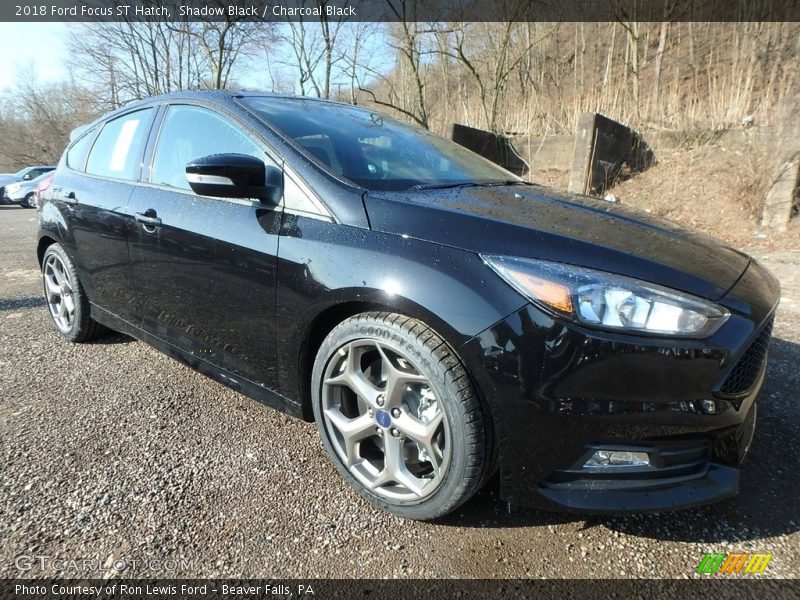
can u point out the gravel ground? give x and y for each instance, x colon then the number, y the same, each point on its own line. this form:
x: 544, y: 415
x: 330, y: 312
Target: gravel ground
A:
x: 113, y: 452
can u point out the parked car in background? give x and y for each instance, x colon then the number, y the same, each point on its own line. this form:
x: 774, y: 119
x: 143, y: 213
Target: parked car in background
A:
x: 24, y: 192
x: 437, y: 316
x: 26, y: 174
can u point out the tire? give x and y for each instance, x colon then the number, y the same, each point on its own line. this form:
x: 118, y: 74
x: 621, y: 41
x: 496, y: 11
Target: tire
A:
x: 415, y: 439
x: 28, y: 201
x: 62, y: 290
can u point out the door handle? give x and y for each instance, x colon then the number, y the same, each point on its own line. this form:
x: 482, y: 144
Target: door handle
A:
x: 148, y: 219
x: 70, y: 198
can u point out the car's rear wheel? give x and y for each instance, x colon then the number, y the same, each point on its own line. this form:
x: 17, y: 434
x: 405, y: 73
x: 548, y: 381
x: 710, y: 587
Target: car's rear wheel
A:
x: 399, y: 416
x: 66, y: 299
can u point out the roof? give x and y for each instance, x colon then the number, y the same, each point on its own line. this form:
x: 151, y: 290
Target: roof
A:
x: 203, y: 95
x: 212, y: 95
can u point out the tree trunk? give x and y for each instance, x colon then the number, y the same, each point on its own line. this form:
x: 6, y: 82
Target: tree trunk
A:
x: 655, y: 109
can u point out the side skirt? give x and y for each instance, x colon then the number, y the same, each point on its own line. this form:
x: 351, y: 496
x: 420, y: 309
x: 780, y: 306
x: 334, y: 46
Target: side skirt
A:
x: 235, y: 382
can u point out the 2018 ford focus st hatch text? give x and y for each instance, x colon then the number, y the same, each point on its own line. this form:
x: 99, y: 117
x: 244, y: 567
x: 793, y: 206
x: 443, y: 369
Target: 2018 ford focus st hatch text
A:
x: 439, y: 318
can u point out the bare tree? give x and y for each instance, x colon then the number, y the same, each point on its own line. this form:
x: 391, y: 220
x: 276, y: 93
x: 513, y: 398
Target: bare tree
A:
x: 128, y: 60
x: 313, y: 47
x: 226, y: 43
x: 511, y: 74
x: 39, y: 118
x: 491, y: 52
x: 403, y: 88
x: 355, y: 58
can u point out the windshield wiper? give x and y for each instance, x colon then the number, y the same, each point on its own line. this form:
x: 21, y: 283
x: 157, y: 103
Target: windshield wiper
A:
x: 457, y: 184
x: 442, y: 186
x: 507, y: 182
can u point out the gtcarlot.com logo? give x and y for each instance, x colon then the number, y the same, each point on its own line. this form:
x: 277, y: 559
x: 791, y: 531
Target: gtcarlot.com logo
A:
x: 724, y: 563
x: 87, y: 565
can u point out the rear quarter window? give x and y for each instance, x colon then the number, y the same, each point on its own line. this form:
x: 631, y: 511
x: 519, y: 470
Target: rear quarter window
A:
x: 77, y: 153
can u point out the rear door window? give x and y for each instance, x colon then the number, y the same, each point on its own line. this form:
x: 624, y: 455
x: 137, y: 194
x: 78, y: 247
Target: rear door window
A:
x: 117, y: 152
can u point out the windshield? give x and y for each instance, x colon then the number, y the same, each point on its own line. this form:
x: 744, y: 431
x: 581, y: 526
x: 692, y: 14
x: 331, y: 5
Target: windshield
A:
x: 22, y: 173
x: 374, y: 150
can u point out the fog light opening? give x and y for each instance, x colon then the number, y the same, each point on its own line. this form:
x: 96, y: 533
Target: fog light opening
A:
x: 603, y: 459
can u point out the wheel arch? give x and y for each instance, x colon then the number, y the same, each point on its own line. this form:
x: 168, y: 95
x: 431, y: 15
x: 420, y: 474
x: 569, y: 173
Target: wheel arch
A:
x: 45, y: 241
x: 326, y: 320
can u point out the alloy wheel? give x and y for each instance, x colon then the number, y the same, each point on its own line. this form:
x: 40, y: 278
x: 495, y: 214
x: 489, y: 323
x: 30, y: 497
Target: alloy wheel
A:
x: 384, y: 420
x: 59, y: 292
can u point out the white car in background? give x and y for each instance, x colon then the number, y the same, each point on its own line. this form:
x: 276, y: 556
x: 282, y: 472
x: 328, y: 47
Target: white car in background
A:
x: 26, y: 175
x: 26, y: 193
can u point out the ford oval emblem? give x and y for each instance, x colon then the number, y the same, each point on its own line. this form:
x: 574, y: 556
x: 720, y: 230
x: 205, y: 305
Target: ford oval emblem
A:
x: 383, y: 419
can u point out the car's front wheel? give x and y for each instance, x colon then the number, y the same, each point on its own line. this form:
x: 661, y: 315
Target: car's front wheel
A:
x: 29, y: 201
x: 66, y: 299
x: 399, y: 415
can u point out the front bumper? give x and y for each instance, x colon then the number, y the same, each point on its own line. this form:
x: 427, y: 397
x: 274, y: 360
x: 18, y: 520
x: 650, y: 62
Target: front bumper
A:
x: 557, y: 392
x: 12, y: 197
x: 682, y: 473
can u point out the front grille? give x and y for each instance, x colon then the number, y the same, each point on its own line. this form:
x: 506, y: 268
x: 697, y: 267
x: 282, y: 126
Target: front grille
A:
x: 743, y: 376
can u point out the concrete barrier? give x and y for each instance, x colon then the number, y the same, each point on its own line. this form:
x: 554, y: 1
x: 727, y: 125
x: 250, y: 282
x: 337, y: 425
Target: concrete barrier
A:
x: 602, y: 147
x: 497, y: 148
x: 783, y: 196
x: 555, y: 152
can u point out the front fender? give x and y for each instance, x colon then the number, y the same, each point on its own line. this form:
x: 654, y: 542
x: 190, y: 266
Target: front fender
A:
x: 327, y: 272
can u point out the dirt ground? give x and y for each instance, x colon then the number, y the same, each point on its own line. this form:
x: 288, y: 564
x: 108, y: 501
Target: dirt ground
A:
x: 712, y: 188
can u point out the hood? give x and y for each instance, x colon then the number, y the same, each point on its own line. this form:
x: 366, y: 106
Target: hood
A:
x: 6, y: 179
x: 27, y: 185
x: 540, y: 223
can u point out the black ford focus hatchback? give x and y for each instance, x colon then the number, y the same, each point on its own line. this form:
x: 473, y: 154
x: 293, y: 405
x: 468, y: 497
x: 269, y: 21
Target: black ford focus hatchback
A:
x: 437, y: 317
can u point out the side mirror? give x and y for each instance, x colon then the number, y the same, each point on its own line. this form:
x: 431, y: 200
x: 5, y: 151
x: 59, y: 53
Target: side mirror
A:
x: 235, y: 176
x: 26, y: 177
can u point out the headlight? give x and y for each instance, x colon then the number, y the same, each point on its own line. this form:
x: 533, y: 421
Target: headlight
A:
x: 610, y: 301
